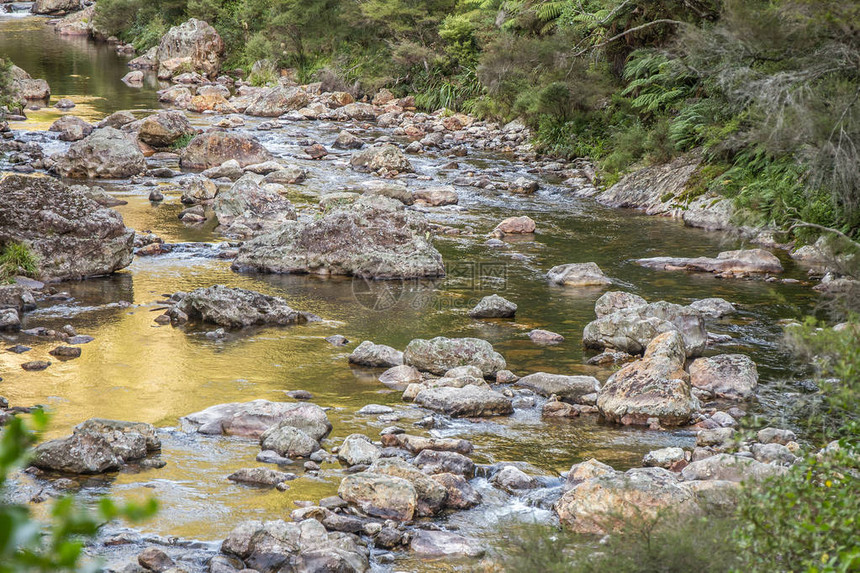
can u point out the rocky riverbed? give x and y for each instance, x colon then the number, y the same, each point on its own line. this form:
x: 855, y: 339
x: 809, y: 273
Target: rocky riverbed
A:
x: 352, y: 336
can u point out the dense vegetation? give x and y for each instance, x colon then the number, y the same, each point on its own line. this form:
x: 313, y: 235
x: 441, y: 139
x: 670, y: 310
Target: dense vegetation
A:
x: 767, y: 90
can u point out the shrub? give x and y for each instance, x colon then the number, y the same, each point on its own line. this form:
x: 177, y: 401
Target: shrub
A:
x: 16, y: 259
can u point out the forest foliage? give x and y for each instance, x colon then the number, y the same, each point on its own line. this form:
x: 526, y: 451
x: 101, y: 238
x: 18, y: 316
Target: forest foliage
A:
x: 767, y: 89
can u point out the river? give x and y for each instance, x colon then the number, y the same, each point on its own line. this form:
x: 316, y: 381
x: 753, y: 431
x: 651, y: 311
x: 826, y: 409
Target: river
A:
x: 138, y: 370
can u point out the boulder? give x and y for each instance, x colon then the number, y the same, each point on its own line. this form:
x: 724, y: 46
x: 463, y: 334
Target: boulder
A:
x: 632, y: 328
x: 613, y: 301
x: 468, y: 401
x: 272, y: 102
x: 515, y: 226
x: 399, y: 377
x: 493, y: 306
x: 583, y: 471
x: 117, y: 119
x: 286, y: 176
x: 288, y: 441
x: 385, y: 157
x: 275, y: 546
x: 743, y: 262
x: 713, y: 307
x: 578, y: 275
x: 439, y: 544
x: 106, y: 152
x: 251, y: 419
x: 197, y: 189
x: 727, y: 467
x: 71, y: 235
x: 596, y: 505
x: 71, y: 128
x: 440, y: 354
x: 387, y: 189
x: 346, y: 140
x: 10, y: 320
x: 379, y: 495
x: 55, y: 7
x: 733, y: 376
x: 775, y: 436
x: 541, y: 336
x: 461, y: 494
x: 566, y: 387
x: 654, y: 387
x: 237, y: 308
x: 430, y: 494
x: 372, y: 238
x: 663, y: 458
x: 192, y: 46
x: 436, y: 196
x: 442, y: 462
x: 251, y: 207
x: 260, y: 477
x: 79, y: 23
x: 162, y: 129
x: 97, y: 446
x: 376, y: 355
x: 418, y: 444
x: 212, y: 148
x: 512, y: 479
x: 357, y: 449
x: 178, y: 96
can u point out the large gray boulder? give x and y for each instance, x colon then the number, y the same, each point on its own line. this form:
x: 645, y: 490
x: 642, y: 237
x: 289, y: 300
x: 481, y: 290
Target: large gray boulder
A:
x: 727, y: 467
x: 71, y: 235
x: 237, y: 307
x: 162, y: 129
x: 97, y: 446
x: 596, y: 504
x: 276, y: 101
x: 193, y: 46
x: 252, y: 419
x: 565, y: 387
x: 216, y: 146
x: 376, y: 355
x: 732, y: 376
x: 372, y: 238
x: 470, y: 401
x: 631, y: 328
x: 71, y: 128
x: 655, y: 387
x: 381, y: 158
x: 106, y: 152
x: 578, y: 275
x: 380, y: 495
x: 251, y: 207
x: 440, y: 354
x: 276, y: 546
x: 55, y: 7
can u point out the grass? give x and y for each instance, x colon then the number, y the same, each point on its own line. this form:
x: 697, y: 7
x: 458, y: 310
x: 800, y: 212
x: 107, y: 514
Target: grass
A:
x: 16, y: 259
x: 182, y: 142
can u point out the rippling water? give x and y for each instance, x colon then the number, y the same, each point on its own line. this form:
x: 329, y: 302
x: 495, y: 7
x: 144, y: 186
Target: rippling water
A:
x: 137, y: 370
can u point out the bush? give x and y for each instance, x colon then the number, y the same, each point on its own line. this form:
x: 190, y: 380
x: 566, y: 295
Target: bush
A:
x: 16, y: 259
x: 667, y: 543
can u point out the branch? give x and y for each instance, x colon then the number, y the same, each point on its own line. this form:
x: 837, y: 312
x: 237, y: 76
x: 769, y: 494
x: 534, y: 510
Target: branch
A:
x: 823, y: 228
x: 630, y: 31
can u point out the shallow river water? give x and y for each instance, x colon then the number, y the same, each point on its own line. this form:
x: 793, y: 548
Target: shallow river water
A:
x: 138, y: 370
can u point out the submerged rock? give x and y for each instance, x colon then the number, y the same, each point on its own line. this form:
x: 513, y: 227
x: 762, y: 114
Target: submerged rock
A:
x: 440, y: 354
x: 372, y: 238
x: 251, y: 419
x: 71, y: 236
x: 237, y: 308
x: 655, y: 387
x: 106, y: 152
